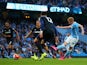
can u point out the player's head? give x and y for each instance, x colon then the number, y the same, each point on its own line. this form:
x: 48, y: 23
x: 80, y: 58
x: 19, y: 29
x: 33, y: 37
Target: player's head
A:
x: 38, y: 24
x: 7, y: 24
x: 70, y: 20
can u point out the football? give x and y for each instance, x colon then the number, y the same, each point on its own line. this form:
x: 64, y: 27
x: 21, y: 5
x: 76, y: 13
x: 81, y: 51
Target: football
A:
x: 16, y: 56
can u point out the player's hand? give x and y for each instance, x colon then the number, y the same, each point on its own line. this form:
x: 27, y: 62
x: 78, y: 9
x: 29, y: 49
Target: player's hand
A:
x: 35, y: 40
x: 56, y: 43
x: 82, y: 33
x: 25, y: 37
x: 8, y: 35
x: 42, y: 41
x: 18, y: 38
x: 58, y: 26
x: 56, y: 39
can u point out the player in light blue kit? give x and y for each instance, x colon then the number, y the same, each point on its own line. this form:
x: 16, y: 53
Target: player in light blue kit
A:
x: 73, y: 38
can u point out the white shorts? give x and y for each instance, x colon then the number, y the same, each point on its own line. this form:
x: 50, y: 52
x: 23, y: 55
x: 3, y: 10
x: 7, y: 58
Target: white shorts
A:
x: 71, y: 41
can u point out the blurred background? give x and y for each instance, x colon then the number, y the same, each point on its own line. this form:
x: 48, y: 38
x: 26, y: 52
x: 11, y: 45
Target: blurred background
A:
x: 22, y: 15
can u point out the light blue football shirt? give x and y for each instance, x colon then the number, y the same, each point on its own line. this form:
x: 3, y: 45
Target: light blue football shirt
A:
x: 75, y: 30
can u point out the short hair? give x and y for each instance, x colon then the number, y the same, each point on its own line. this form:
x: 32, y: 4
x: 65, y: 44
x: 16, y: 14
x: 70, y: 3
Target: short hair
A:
x: 37, y: 21
x: 7, y: 21
x: 70, y: 19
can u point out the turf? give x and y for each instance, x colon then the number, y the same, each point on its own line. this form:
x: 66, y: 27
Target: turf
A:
x: 46, y: 61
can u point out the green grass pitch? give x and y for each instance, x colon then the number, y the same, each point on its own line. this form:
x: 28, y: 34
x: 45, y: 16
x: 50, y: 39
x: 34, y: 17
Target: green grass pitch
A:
x: 46, y: 61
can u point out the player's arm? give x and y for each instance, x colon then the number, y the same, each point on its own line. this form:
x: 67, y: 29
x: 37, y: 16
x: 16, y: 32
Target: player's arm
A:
x: 64, y: 26
x: 16, y: 34
x: 56, y: 37
x: 56, y: 40
x: 4, y: 35
x: 82, y: 29
x: 28, y: 34
x: 41, y: 34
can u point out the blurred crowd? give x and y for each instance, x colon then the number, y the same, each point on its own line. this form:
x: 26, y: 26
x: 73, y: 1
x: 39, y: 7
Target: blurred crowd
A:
x: 26, y: 47
x: 22, y: 47
x: 68, y: 3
